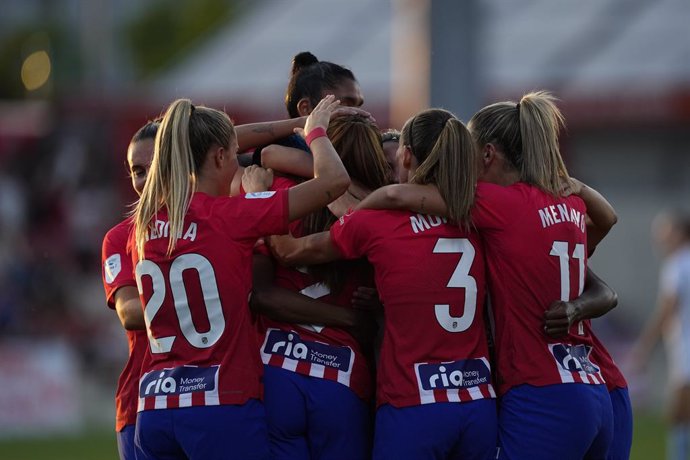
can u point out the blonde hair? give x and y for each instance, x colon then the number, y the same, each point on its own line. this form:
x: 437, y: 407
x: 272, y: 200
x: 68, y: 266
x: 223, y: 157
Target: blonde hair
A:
x: 527, y: 134
x: 447, y: 157
x: 185, y: 136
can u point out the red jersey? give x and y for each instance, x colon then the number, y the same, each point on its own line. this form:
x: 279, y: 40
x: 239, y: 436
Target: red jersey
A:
x: 600, y: 355
x: 311, y: 349
x: 536, y: 253
x: 430, y: 277
x: 203, y: 344
x: 315, y: 350
x: 118, y: 272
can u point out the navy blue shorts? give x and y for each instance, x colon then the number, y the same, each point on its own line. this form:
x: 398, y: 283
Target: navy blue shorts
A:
x: 443, y: 430
x: 309, y: 417
x: 125, y: 442
x: 571, y: 421
x: 226, y: 432
x: 622, y: 425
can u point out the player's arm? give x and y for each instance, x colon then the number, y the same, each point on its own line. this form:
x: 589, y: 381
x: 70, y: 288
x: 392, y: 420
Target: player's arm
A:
x: 284, y: 305
x: 596, y: 299
x: 288, y: 160
x: 330, y: 177
x: 666, y: 308
x: 601, y: 216
x: 417, y: 198
x: 317, y: 248
x: 129, y: 309
x: 253, y: 134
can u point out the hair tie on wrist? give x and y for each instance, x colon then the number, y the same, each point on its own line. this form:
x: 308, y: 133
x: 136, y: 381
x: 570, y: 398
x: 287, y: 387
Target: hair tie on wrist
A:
x: 315, y: 134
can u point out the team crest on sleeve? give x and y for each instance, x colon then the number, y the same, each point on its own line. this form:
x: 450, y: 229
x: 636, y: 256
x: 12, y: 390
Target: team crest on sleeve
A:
x: 259, y: 195
x: 112, y: 267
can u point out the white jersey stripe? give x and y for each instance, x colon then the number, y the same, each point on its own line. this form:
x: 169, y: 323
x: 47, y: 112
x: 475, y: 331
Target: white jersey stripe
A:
x: 161, y: 402
x: 425, y: 396
x: 185, y: 400
x: 475, y: 393
x: 290, y: 364
x: 316, y: 370
x: 453, y: 395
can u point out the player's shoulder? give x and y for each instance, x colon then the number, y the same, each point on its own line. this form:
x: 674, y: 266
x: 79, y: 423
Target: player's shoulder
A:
x: 119, y: 233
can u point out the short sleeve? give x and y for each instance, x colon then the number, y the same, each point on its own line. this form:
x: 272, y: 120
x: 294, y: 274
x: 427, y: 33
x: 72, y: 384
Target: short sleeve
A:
x: 351, y: 235
x: 116, y: 269
x: 254, y: 215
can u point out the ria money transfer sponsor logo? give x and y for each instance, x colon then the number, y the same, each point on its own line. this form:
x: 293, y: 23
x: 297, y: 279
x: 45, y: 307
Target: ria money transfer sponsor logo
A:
x: 453, y: 375
x: 178, y: 380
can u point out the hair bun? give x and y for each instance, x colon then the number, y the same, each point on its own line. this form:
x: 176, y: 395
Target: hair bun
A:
x: 302, y: 60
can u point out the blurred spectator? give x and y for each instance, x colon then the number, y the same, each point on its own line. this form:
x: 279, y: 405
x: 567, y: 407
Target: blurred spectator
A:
x: 671, y: 320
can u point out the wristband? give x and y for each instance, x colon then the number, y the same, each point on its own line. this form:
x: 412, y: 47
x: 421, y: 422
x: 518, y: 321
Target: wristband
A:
x: 315, y: 134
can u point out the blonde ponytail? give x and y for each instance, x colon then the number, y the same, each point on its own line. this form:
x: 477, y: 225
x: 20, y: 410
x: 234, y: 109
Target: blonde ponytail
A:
x: 185, y: 136
x: 448, y: 158
x: 540, y: 123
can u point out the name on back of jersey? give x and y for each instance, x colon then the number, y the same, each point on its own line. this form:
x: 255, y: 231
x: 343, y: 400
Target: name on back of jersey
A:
x: 178, y: 380
x: 423, y: 222
x: 465, y: 373
x: 161, y: 229
x: 291, y: 346
x: 561, y: 213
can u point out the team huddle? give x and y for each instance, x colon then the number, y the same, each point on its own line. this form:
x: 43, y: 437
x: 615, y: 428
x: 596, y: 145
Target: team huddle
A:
x: 313, y: 288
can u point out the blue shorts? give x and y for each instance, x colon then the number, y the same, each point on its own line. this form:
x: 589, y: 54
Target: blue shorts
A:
x: 622, y: 425
x: 310, y: 417
x: 443, y: 430
x: 125, y: 442
x: 226, y: 432
x: 564, y: 421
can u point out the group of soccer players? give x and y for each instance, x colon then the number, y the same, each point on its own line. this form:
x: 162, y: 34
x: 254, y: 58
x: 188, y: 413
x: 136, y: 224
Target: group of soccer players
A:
x: 245, y: 344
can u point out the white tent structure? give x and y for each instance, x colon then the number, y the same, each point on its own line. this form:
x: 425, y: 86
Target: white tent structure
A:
x: 586, y: 50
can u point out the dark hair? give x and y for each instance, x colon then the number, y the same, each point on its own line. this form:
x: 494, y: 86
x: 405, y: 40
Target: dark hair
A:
x: 309, y: 78
x: 148, y: 131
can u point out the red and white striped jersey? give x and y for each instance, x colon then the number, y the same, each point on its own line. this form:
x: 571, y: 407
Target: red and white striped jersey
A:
x: 536, y: 253
x: 202, y: 340
x: 118, y: 272
x: 430, y: 276
x: 600, y: 355
x: 315, y: 350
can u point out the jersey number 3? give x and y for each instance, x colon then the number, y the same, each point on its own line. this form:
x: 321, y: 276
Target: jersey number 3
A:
x: 459, y: 279
x: 209, y: 291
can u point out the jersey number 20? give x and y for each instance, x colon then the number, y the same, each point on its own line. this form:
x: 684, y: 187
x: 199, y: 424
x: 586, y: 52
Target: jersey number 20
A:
x: 209, y: 290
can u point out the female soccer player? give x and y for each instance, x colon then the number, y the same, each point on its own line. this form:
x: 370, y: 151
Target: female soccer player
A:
x: 554, y: 403
x: 201, y: 381
x: 434, y: 391
x: 317, y: 378
x: 118, y: 273
x: 121, y: 294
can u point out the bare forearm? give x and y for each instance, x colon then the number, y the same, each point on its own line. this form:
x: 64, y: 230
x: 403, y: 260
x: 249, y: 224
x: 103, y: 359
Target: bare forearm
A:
x: 288, y: 306
x: 596, y: 300
x: 602, y: 216
x: 417, y: 198
x: 263, y: 133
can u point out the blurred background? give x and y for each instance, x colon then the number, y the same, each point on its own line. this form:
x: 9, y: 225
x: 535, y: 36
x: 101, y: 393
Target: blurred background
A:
x: 79, y: 77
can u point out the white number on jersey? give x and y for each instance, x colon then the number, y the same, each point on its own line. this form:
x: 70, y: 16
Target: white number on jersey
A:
x: 560, y: 250
x: 209, y: 288
x: 314, y: 291
x: 459, y: 279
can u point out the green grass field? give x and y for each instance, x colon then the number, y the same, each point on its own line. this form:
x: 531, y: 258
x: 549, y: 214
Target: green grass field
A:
x: 648, y: 444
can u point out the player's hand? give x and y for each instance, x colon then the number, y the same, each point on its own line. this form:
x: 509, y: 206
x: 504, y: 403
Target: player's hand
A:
x: 282, y: 247
x: 571, y: 186
x: 320, y: 116
x: 256, y: 179
x: 559, y: 318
